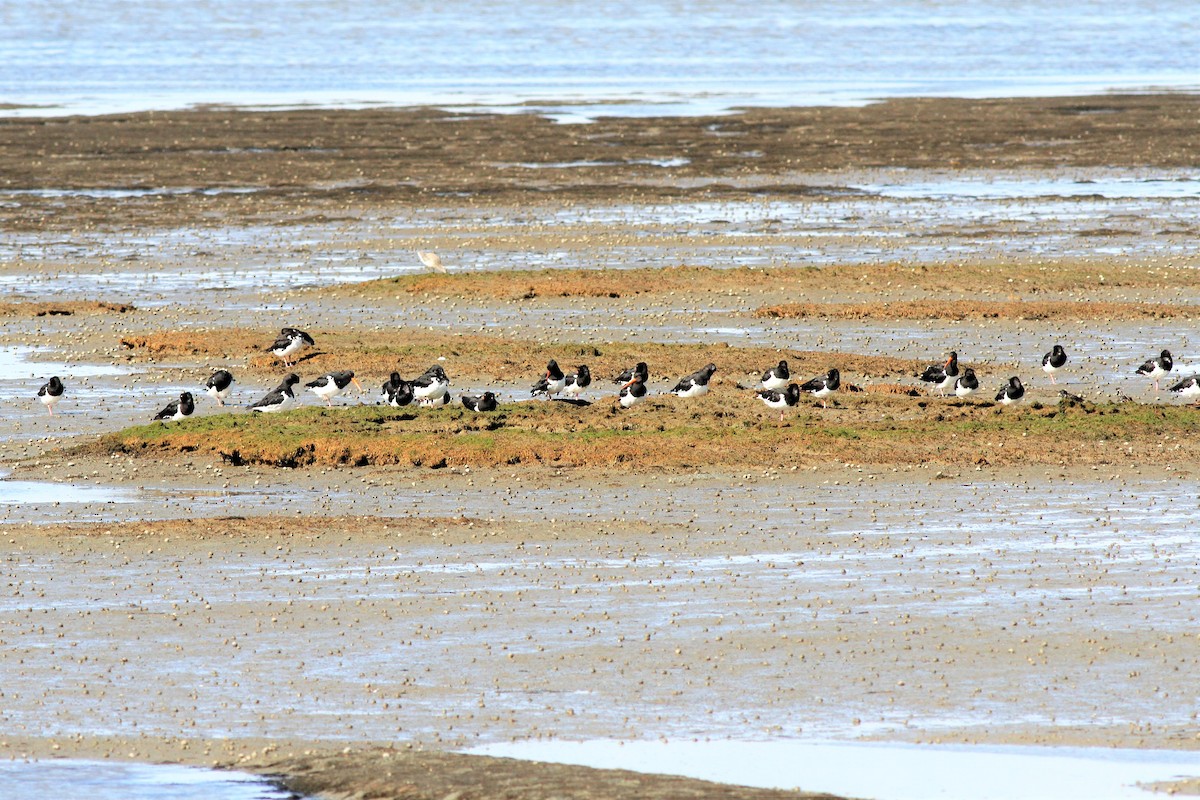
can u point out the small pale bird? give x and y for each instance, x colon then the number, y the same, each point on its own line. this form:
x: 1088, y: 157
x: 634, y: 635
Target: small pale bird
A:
x: 432, y: 261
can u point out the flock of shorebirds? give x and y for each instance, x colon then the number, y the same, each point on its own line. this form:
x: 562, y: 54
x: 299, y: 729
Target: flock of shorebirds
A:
x: 432, y: 388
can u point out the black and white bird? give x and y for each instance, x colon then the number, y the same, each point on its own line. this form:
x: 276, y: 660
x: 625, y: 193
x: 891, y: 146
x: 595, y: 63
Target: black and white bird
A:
x: 942, y: 376
x: 1157, y: 367
x: 1011, y: 392
x: 578, y: 380
x: 966, y: 384
x: 219, y: 385
x: 332, y: 384
x: 289, y: 343
x: 177, y: 409
x: 279, y: 398
x: 1188, y: 387
x: 821, y: 388
x: 50, y: 393
x: 633, y: 392
x: 484, y: 402
x: 552, y: 382
x: 781, y: 401
x: 696, y: 384
x: 397, y: 392
x: 431, y: 387
x: 1053, y: 361
x: 776, y: 377
x: 640, y: 370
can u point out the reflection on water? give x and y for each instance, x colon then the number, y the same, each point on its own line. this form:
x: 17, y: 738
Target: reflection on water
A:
x: 41, y: 500
x: 882, y: 771
x: 105, y: 780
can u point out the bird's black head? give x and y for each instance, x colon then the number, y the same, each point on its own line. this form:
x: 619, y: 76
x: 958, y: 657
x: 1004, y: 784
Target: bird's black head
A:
x: 291, y: 380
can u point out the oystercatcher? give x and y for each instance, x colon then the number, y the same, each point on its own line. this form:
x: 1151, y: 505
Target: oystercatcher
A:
x: 1011, y: 392
x: 1053, y: 361
x: 552, y: 382
x: 278, y: 398
x: 397, y: 392
x: 942, y: 376
x: 177, y: 409
x: 1157, y: 367
x: 485, y: 402
x: 821, y: 388
x: 696, y: 384
x: 633, y: 392
x: 431, y: 387
x: 1188, y: 387
x: 219, y: 385
x: 578, y: 380
x: 966, y: 384
x: 50, y: 393
x: 776, y: 377
x: 290, y: 342
x: 773, y: 398
x: 332, y: 384
x: 641, y: 370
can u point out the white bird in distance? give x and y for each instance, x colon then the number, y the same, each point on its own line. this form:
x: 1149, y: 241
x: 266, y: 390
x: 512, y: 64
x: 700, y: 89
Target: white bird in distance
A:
x: 432, y: 261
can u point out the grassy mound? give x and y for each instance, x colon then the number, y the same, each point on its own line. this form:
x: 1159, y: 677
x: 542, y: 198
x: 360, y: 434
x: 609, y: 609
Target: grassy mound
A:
x: 724, y: 429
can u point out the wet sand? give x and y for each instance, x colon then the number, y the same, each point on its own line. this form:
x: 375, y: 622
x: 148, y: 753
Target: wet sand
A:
x: 443, y: 608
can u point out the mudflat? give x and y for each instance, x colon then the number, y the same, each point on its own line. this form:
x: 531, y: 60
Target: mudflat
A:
x: 271, y: 592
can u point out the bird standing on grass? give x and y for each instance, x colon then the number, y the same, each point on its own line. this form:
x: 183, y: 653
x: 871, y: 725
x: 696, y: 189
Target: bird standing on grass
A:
x: 942, y: 376
x: 290, y: 342
x: 821, y: 388
x: 773, y: 398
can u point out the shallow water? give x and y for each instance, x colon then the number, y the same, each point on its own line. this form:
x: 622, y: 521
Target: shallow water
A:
x: 882, y: 771
x: 570, y: 59
x: 741, y: 610
x: 106, y: 780
x: 904, y: 216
